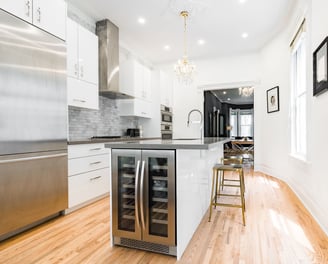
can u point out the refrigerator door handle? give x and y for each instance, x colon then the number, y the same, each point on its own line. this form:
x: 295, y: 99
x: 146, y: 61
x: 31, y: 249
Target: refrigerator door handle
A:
x: 141, y: 195
x: 32, y: 158
x: 136, y: 190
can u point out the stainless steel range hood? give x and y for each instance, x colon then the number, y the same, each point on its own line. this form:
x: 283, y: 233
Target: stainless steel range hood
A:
x: 108, y: 35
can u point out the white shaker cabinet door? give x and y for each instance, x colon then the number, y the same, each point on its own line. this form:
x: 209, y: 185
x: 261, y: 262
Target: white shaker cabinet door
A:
x: 50, y: 15
x: 72, y: 48
x: 88, y: 56
x: 20, y: 8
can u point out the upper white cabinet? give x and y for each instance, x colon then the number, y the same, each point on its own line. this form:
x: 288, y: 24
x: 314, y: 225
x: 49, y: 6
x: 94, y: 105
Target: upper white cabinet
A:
x: 166, y: 89
x: 135, y: 79
x: 82, y: 53
x: 82, y: 66
x: 49, y: 15
x: 134, y: 107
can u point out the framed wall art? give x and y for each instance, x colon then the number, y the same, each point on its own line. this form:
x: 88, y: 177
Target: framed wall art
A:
x: 273, y: 99
x: 320, y: 69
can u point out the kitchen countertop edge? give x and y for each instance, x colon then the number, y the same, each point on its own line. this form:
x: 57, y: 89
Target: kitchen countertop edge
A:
x: 104, y: 140
x: 205, y: 144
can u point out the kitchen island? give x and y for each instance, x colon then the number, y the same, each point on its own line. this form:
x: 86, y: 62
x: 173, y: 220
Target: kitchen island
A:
x: 182, y: 168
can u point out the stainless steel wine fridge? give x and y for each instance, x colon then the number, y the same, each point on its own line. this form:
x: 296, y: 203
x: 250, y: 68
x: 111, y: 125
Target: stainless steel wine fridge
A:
x: 143, y: 193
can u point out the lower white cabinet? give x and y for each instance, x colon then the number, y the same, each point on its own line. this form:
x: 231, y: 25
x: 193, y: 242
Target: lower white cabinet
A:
x: 88, y: 174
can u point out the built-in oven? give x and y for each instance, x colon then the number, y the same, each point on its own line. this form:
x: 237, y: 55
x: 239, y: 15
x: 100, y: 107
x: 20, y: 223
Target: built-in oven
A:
x: 166, y: 114
x: 166, y: 122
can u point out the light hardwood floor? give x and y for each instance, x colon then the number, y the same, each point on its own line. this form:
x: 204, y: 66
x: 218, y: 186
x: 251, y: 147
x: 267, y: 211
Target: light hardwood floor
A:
x: 278, y: 230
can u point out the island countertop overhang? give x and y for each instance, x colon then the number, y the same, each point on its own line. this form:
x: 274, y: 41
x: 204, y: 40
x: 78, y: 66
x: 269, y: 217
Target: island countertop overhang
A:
x: 183, y: 143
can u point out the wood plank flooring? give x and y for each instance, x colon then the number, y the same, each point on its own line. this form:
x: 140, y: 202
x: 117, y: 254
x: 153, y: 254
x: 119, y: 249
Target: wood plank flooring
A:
x: 278, y: 230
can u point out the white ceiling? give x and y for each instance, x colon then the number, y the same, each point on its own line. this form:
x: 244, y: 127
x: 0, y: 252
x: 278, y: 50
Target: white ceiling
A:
x: 219, y: 22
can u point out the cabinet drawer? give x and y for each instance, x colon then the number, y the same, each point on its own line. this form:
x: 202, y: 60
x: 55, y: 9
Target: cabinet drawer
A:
x: 87, y: 186
x: 85, y: 164
x: 77, y: 151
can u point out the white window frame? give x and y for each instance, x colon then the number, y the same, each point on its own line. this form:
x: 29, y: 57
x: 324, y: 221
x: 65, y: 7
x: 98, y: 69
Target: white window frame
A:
x: 299, y: 98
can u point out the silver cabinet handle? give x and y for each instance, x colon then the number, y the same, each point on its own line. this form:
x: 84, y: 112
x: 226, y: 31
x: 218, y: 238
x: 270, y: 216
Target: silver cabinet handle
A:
x: 136, y: 193
x: 76, y: 68
x: 94, y: 149
x: 95, y: 163
x: 95, y: 178
x: 33, y: 158
x: 81, y: 71
x: 28, y: 8
x: 39, y: 13
x: 141, y: 195
x: 79, y: 100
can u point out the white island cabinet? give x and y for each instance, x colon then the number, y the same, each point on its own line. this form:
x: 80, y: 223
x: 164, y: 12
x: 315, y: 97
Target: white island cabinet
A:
x: 193, y: 162
x: 88, y: 174
x: 49, y: 15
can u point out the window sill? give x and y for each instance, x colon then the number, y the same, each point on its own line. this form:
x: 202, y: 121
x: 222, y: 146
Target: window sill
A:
x: 299, y: 158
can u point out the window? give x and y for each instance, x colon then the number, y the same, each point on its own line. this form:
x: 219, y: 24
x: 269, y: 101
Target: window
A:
x: 241, y: 121
x: 298, y: 95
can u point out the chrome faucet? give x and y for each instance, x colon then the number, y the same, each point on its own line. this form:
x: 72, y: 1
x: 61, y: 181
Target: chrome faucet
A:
x: 196, y: 122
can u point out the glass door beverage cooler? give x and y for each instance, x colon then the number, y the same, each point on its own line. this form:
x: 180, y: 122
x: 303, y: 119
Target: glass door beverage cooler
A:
x: 143, y: 193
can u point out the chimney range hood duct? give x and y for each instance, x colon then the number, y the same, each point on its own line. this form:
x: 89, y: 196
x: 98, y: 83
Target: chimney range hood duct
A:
x: 108, y: 35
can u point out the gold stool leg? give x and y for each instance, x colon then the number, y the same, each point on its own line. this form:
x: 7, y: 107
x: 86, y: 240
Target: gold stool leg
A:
x: 242, y: 198
x: 212, y: 190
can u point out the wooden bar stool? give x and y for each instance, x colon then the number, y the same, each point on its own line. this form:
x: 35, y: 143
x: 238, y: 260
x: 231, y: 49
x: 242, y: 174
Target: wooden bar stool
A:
x: 216, y: 193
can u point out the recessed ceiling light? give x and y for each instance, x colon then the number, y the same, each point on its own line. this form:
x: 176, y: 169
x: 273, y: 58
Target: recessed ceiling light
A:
x: 244, y: 35
x: 228, y: 99
x: 167, y: 47
x: 141, y: 20
x: 201, y: 42
x: 224, y: 92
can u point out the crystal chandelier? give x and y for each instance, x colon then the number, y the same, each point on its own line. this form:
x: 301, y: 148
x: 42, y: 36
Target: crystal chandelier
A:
x: 246, y: 91
x: 185, y: 68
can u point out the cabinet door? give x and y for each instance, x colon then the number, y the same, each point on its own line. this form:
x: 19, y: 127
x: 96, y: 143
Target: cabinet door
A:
x: 50, y: 15
x: 72, y: 48
x: 147, y: 83
x: 82, y: 94
x: 126, y: 76
x: 125, y: 193
x: 88, y: 55
x: 138, y: 79
x: 20, y: 8
x: 158, y: 189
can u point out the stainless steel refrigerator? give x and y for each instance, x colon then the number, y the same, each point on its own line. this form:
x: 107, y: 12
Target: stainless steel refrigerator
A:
x: 33, y: 123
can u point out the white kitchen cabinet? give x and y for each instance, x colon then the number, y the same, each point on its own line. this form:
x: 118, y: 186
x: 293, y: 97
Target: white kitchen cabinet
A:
x: 166, y: 89
x: 82, y: 66
x: 134, y: 107
x: 82, y: 53
x: 49, y: 15
x: 135, y: 79
x: 88, y: 174
x: 82, y: 94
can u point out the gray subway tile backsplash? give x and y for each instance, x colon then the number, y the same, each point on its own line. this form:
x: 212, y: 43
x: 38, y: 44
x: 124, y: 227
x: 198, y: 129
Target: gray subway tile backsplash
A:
x: 86, y: 123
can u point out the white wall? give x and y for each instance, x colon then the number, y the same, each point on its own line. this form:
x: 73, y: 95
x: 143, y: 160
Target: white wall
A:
x: 227, y: 70
x: 308, y: 179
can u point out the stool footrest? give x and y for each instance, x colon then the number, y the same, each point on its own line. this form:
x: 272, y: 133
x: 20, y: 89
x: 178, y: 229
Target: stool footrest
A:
x: 229, y: 195
x: 228, y: 205
x: 231, y: 185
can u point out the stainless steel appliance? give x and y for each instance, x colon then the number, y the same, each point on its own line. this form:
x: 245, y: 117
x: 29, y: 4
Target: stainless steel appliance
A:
x: 133, y: 132
x: 166, y: 122
x: 143, y: 193
x: 33, y: 121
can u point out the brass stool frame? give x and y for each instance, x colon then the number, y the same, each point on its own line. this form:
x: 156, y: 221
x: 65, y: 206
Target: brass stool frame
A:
x: 232, y: 160
x: 218, y: 170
